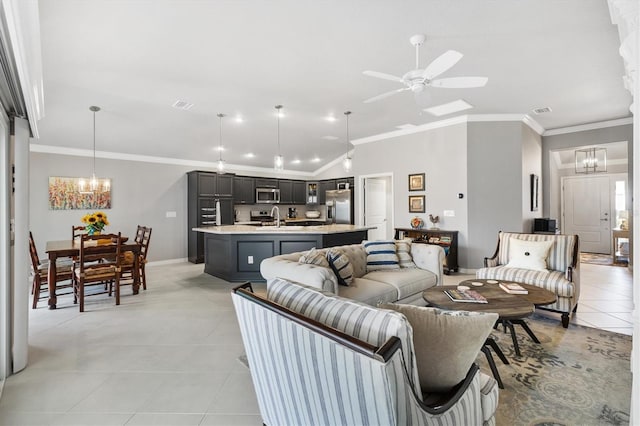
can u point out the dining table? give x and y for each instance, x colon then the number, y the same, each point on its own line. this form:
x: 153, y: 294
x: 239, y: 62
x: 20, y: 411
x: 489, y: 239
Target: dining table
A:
x: 71, y: 248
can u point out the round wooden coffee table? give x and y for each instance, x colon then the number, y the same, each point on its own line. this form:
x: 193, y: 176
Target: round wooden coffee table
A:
x: 511, y: 308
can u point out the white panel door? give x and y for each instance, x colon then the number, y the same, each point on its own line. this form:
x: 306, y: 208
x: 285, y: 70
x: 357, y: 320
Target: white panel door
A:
x: 587, y: 212
x: 375, y: 207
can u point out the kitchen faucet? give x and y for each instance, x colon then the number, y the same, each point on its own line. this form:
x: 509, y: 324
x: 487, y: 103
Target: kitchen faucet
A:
x: 278, y: 215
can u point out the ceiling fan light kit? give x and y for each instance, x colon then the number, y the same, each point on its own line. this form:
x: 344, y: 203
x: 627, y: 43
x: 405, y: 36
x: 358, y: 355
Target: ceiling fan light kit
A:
x: 417, y: 80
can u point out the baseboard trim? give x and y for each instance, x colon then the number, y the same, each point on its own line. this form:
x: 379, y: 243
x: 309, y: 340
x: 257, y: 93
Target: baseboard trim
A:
x: 167, y: 262
x: 467, y: 271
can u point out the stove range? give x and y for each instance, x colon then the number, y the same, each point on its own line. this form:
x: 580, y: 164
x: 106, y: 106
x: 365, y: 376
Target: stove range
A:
x: 263, y: 216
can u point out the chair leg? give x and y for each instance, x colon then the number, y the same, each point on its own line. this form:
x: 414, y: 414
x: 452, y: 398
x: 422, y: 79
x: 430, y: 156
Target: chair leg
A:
x: 565, y: 319
x: 117, y: 289
x: 35, y: 290
x: 81, y: 294
x: 144, y: 277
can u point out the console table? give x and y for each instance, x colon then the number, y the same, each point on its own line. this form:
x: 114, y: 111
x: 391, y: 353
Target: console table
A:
x: 448, y: 240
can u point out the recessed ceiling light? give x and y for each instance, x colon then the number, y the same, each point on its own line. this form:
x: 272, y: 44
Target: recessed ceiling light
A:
x: 406, y: 126
x: 239, y: 119
x: 449, y: 108
x: 296, y: 161
x: 330, y: 118
x: 220, y: 148
x: 541, y: 110
x: 183, y: 105
x: 315, y: 160
x: 330, y: 138
x: 249, y: 155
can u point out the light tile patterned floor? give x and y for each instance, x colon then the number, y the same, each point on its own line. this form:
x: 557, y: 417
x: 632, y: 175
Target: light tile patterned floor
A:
x: 169, y: 355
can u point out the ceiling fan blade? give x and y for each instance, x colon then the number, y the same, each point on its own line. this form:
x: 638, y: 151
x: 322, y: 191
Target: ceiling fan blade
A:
x: 460, y: 82
x: 383, y: 76
x: 385, y: 95
x: 441, y: 64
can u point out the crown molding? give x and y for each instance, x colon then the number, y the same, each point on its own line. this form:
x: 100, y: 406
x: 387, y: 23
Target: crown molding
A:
x: 331, y: 163
x: 48, y: 149
x: 589, y: 126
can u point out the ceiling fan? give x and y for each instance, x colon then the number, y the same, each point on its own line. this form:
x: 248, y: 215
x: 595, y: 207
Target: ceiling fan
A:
x: 418, y: 79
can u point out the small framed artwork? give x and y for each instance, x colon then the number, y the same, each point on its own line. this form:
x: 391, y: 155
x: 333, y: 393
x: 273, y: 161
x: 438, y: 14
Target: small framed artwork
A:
x: 534, y: 192
x: 416, y: 203
x: 416, y: 182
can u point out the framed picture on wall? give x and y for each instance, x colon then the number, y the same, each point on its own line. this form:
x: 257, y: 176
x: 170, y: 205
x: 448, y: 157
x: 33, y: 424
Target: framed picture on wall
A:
x: 535, y: 192
x: 65, y: 193
x: 416, y: 203
x: 416, y: 182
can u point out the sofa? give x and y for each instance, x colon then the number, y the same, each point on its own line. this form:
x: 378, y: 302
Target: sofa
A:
x: 403, y: 285
x: 561, y: 275
x: 316, y: 358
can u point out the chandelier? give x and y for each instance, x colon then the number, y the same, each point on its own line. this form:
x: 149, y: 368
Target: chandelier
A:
x: 591, y: 160
x: 93, y: 184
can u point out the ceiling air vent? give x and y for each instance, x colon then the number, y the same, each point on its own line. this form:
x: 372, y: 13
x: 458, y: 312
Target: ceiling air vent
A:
x: 183, y: 105
x: 542, y: 110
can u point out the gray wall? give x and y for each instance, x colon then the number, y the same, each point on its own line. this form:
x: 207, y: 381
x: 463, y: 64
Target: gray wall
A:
x: 441, y: 155
x: 141, y: 193
x: 531, y: 164
x: 573, y: 140
x: 495, y: 185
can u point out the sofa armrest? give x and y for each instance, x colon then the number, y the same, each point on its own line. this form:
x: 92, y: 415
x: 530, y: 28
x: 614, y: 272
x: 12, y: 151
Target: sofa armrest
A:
x: 312, y: 275
x: 429, y: 257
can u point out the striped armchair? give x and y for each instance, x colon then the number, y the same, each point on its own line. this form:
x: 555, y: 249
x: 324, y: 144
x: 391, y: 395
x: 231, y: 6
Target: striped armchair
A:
x: 562, y: 278
x: 359, y: 371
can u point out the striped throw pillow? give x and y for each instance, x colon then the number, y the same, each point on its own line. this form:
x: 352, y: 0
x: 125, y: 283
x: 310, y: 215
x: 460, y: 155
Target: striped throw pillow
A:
x: 314, y: 257
x: 381, y: 255
x: 403, y: 249
x: 339, y: 262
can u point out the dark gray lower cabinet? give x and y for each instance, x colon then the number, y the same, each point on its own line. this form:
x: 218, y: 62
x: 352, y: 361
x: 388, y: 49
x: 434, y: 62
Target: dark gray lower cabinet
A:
x: 237, y: 257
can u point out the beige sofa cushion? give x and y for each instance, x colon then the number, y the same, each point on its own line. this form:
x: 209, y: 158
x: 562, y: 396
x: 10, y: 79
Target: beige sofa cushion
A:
x: 446, y: 342
x: 406, y: 281
x: 369, y: 292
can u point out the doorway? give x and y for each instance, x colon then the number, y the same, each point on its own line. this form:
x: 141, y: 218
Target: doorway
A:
x: 592, y: 207
x: 377, y: 205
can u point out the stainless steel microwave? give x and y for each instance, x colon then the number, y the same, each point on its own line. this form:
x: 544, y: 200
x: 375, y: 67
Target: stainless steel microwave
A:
x: 267, y: 196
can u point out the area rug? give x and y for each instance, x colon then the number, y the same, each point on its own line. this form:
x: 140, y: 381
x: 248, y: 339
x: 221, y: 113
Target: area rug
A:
x: 575, y: 376
x: 599, y: 259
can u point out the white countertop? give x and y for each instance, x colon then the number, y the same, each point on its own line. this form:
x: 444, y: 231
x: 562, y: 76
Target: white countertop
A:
x: 249, y: 229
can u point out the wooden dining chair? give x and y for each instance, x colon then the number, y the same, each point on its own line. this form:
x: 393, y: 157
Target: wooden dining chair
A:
x: 143, y: 237
x: 77, y: 231
x: 98, y: 263
x: 40, y: 273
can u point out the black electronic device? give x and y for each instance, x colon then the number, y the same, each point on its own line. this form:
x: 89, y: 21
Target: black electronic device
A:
x: 544, y: 224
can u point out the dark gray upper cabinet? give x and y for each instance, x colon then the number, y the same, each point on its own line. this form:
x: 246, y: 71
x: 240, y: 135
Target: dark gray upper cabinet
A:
x: 244, y: 190
x: 299, y: 192
x: 214, y: 185
x: 286, y: 191
x: 266, y: 183
x: 323, y: 187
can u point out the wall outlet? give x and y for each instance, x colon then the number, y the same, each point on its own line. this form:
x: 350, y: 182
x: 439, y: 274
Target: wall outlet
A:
x: 449, y: 213
x: 171, y: 214
x: 250, y: 260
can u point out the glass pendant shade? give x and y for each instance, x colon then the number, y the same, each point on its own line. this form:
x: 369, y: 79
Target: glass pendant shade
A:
x: 93, y: 184
x: 347, y: 163
x: 278, y: 160
x: 221, y: 164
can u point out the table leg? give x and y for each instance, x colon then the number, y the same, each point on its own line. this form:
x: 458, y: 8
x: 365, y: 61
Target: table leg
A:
x: 516, y: 347
x: 53, y: 273
x: 527, y: 329
x: 492, y: 365
x: 496, y: 349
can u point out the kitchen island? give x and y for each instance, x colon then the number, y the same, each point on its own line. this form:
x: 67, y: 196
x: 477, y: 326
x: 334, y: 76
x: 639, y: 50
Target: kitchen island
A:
x: 234, y: 252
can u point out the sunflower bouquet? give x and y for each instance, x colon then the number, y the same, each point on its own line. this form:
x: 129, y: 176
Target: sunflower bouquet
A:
x: 95, y: 222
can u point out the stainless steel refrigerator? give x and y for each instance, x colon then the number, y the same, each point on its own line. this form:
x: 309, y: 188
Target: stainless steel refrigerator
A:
x: 339, y: 206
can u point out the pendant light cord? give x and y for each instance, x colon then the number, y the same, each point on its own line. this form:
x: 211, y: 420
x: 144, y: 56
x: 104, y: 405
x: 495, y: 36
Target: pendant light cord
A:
x: 94, y: 144
x: 220, y: 140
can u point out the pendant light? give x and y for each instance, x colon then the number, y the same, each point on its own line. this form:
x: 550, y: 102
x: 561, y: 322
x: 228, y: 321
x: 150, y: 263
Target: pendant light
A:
x: 278, y: 160
x: 221, y: 163
x: 93, y: 184
x: 347, y: 163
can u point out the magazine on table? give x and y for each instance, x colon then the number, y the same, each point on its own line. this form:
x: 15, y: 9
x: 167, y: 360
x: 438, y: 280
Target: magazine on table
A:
x: 513, y: 288
x: 467, y: 296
